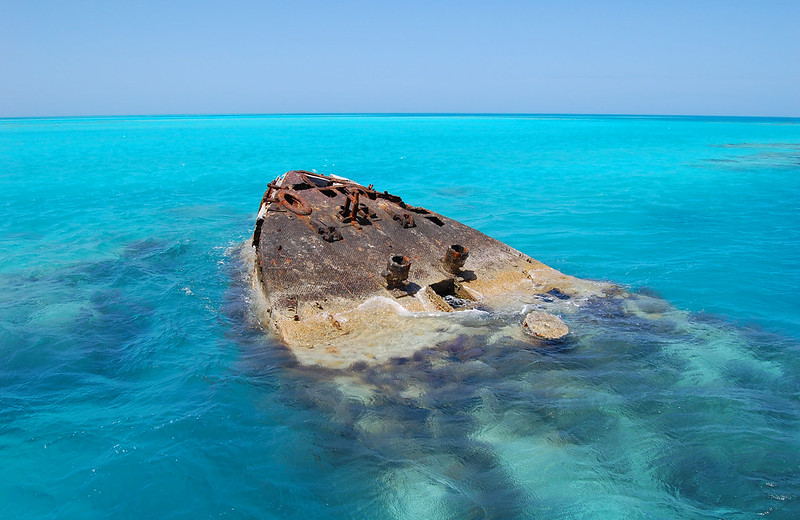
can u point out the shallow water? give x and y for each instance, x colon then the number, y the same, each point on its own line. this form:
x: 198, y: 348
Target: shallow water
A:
x: 134, y: 381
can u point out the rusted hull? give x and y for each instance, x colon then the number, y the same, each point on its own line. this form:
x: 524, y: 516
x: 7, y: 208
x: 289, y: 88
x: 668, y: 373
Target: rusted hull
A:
x: 353, y: 275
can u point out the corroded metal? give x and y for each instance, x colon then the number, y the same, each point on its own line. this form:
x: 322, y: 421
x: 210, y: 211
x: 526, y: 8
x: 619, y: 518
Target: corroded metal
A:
x: 396, y: 272
x: 322, y: 244
x: 454, y: 258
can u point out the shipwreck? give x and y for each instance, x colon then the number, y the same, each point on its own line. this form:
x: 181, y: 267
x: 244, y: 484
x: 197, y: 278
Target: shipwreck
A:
x: 347, y: 274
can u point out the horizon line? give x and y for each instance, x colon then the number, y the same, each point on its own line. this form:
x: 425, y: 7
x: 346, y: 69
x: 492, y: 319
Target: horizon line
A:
x: 392, y: 114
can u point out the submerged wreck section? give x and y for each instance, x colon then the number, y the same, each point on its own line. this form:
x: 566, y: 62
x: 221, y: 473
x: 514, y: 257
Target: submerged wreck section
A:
x: 350, y: 274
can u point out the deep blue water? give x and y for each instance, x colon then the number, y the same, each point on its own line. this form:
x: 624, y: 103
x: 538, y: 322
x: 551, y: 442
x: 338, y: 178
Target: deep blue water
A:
x: 134, y: 382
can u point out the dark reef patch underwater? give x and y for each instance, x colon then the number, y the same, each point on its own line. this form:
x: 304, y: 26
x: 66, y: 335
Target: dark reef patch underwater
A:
x: 135, y: 381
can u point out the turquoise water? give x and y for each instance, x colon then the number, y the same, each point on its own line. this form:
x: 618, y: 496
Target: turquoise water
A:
x: 134, y: 382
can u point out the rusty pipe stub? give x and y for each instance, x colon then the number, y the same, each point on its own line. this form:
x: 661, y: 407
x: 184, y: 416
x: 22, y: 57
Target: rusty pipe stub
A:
x: 396, y: 272
x: 454, y: 258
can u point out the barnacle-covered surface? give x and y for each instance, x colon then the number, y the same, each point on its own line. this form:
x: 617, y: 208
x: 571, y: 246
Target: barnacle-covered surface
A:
x: 325, y: 251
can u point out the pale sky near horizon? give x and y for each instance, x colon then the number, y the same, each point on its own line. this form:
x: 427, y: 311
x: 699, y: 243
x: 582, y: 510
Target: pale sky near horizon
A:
x: 700, y: 57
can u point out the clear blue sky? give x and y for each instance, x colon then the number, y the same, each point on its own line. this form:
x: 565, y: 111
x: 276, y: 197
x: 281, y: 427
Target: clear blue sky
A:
x: 84, y: 57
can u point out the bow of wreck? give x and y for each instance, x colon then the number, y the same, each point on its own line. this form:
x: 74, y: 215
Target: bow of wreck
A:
x: 349, y: 274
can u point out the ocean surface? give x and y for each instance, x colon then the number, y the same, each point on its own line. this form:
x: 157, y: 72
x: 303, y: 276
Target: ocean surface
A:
x: 136, y: 383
